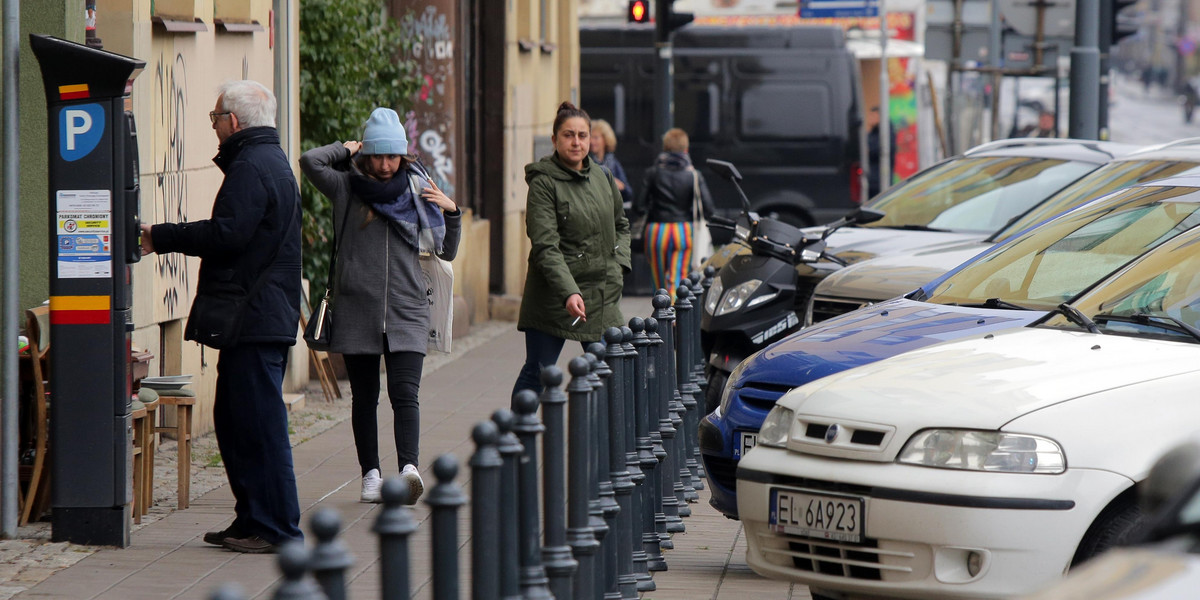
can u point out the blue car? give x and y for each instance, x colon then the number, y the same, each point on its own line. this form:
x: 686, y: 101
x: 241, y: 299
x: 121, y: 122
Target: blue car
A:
x: 1010, y: 285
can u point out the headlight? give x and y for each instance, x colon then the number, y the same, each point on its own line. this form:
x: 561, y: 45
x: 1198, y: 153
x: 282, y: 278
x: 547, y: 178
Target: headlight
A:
x: 737, y: 296
x: 982, y: 451
x: 713, y: 295
x: 734, y: 377
x: 777, y: 427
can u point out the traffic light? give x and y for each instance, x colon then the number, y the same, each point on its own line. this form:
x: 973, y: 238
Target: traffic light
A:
x: 639, y: 11
x: 1123, y: 26
x: 667, y: 20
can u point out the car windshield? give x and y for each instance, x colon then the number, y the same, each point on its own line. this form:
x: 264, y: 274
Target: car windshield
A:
x: 1158, y: 295
x: 1051, y: 264
x: 975, y: 194
x: 1106, y: 179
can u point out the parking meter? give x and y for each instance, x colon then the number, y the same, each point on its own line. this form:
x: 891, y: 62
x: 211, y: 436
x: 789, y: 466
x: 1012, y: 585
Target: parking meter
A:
x: 93, y: 207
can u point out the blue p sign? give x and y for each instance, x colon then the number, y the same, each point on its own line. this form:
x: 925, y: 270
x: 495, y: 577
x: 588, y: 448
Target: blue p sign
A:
x: 80, y: 128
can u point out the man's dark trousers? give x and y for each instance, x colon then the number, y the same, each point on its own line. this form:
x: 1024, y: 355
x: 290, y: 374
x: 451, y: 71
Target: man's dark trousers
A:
x: 252, y: 433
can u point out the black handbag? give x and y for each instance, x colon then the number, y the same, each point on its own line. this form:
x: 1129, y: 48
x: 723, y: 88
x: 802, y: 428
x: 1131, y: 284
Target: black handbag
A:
x: 215, y: 319
x: 318, y: 333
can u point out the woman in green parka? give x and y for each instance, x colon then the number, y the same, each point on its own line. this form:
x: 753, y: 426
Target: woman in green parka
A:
x: 580, y: 248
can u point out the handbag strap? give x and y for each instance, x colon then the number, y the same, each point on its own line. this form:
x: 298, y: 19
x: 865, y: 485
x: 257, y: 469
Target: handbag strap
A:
x: 333, y: 250
x: 697, y: 204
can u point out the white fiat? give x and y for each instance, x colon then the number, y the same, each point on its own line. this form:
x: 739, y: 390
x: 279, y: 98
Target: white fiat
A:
x: 985, y: 467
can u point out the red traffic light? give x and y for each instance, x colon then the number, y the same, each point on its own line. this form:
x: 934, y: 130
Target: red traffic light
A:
x: 639, y: 12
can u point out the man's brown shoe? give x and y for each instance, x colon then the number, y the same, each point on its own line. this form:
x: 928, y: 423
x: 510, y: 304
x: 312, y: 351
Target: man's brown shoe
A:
x: 249, y: 545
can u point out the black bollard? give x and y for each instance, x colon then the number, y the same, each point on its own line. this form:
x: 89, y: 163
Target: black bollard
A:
x: 624, y: 583
x: 580, y: 537
x: 227, y: 591
x: 393, y: 527
x: 641, y: 458
x: 689, y: 392
x: 652, y: 456
x: 608, y: 390
x: 444, y: 501
x: 660, y: 421
x: 667, y: 425
x: 598, y: 458
x: 330, y: 559
x: 510, y: 545
x: 293, y: 561
x: 534, y: 585
x: 696, y: 352
x: 556, y: 554
x: 486, y: 465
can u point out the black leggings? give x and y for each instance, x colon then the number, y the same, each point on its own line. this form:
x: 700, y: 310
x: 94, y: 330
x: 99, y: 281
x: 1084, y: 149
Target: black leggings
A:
x: 403, y: 383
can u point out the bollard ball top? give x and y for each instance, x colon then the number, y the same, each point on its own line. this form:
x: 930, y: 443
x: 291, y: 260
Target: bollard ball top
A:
x: 709, y: 271
x: 661, y: 301
x: 612, y: 335
x: 662, y: 292
x: 293, y: 560
x: 525, y: 402
x: 503, y: 418
x: 228, y: 591
x: 637, y: 325
x: 598, y: 350
x: 445, y: 468
x: 325, y: 524
x: 485, y: 433
x: 592, y: 361
x: 578, y: 367
x: 551, y: 376
x: 395, y: 492
x: 683, y: 292
x: 626, y: 334
x: 651, y: 325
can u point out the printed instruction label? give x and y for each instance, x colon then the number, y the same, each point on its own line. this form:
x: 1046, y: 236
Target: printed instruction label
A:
x: 84, y: 222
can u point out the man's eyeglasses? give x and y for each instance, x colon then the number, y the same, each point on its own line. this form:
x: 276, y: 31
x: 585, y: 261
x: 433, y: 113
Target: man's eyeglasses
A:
x: 213, y: 115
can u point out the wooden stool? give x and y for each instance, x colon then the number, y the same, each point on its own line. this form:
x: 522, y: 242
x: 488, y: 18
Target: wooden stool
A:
x: 144, y: 414
x: 183, y: 400
x: 139, y: 460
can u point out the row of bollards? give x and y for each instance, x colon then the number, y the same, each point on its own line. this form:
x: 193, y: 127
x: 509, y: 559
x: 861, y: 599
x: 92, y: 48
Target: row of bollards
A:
x: 620, y: 464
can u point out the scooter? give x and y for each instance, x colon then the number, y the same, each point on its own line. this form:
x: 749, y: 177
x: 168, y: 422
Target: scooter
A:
x: 753, y: 301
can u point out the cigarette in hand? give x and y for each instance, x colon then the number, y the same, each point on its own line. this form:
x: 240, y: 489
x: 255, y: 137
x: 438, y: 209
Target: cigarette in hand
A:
x: 576, y: 321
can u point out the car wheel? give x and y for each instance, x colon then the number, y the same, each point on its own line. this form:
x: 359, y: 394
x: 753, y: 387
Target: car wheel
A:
x: 716, y: 384
x: 1113, y: 527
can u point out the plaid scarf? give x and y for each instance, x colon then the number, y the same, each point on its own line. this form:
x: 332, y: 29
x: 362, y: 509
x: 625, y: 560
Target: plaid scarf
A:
x: 420, y: 223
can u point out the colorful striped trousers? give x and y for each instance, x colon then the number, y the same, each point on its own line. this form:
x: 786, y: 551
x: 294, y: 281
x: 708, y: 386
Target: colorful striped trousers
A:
x: 669, y: 250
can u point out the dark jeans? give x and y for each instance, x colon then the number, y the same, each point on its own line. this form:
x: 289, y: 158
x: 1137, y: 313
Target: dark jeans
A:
x: 541, y: 349
x: 251, y: 424
x: 403, y: 384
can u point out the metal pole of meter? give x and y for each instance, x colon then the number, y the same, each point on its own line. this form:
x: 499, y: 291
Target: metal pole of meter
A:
x: 1085, y: 73
x: 995, y: 48
x: 8, y: 330
x: 885, y: 125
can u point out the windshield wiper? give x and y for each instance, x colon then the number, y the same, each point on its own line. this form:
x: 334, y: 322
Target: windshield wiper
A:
x: 1171, y: 324
x: 915, y: 227
x: 997, y: 303
x: 1073, y: 315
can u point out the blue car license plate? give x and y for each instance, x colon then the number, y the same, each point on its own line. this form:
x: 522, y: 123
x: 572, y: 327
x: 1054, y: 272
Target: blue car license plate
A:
x: 743, y: 442
x: 817, y: 515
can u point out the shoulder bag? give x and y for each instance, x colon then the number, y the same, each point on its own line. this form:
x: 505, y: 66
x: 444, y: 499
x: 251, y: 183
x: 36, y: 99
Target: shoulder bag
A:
x: 215, y: 319
x: 318, y: 334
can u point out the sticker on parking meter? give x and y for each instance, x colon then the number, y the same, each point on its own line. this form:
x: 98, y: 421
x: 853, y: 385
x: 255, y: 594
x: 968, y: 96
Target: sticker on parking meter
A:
x: 79, y: 130
x: 84, y: 228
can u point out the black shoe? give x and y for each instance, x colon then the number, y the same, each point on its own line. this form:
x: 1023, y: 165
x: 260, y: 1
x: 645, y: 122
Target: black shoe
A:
x: 249, y: 545
x: 217, y: 538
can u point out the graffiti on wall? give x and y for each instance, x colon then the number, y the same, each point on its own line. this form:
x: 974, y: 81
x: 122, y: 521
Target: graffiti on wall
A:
x: 170, y: 179
x: 431, y: 123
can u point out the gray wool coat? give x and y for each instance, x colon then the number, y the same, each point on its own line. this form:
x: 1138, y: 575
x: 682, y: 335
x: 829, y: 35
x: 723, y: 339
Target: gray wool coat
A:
x: 379, y: 294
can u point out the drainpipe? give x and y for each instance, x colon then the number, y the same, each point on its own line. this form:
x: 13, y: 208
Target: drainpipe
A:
x: 8, y: 288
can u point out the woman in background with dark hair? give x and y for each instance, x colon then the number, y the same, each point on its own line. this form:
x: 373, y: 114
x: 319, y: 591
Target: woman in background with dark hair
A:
x: 579, y: 248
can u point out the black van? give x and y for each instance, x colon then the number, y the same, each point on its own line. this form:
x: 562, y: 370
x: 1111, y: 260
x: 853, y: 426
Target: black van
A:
x: 782, y: 103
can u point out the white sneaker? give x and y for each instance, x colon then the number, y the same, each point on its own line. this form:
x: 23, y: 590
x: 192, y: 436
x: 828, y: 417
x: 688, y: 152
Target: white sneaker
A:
x: 371, y: 484
x: 416, y: 487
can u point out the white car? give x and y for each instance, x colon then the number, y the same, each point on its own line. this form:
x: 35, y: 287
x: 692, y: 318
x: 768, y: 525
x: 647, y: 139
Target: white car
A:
x: 984, y: 467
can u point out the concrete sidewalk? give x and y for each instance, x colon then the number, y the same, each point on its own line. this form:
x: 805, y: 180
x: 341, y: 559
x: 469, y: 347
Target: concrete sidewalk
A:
x: 167, y: 558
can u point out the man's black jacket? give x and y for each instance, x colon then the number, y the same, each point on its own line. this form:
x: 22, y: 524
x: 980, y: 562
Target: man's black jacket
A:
x: 256, y: 211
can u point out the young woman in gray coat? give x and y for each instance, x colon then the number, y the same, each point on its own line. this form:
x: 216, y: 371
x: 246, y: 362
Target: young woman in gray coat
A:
x: 379, y: 290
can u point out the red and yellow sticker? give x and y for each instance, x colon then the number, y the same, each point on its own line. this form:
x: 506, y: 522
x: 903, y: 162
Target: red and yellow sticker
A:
x: 80, y: 310
x: 71, y: 92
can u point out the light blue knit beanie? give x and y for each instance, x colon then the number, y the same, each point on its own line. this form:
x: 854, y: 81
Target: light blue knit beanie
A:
x: 384, y: 134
